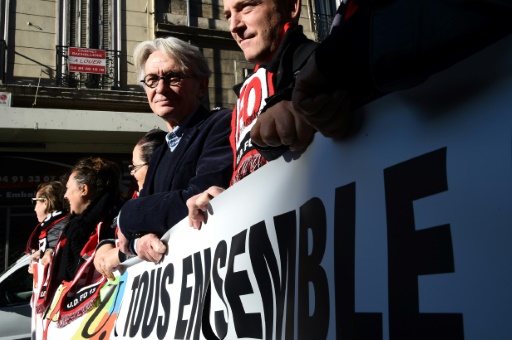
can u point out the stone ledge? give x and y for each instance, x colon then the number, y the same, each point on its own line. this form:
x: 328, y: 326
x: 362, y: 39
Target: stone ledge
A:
x: 72, y: 98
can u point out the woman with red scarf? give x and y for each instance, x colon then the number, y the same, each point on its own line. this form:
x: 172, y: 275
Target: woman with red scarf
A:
x: 92, y: 191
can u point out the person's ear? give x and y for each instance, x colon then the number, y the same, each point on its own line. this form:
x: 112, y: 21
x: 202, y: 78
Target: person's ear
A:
x: 203, y: 87
x: 294, y: 10
x: 84, y: 190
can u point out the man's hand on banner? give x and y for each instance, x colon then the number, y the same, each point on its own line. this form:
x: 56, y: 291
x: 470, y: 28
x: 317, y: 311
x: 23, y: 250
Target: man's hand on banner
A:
x: 151, y: 248
x: 325, y: 108
x: 281, y: 125
x: 198, y: 206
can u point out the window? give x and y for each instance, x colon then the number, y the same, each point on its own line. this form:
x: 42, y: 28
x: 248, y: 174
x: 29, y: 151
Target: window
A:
x: 242, y: 70
x: 92, y: 24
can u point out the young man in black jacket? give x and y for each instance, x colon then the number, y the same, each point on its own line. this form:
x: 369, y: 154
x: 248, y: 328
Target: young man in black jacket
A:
x: 268, y: 33
x: 380, y: 46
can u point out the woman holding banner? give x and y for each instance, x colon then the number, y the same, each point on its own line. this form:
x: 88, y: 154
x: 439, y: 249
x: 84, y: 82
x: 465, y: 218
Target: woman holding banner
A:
x: 92, y: 191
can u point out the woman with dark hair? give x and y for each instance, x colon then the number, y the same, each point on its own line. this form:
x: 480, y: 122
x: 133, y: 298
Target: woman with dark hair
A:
x: 142, y: 154
x: 108, y: 256
x: 92, y: 191
x: 51, y: 215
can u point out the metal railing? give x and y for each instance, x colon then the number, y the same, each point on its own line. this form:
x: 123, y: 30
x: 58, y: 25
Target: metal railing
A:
x: 321, y: 25
x: 65, y: 78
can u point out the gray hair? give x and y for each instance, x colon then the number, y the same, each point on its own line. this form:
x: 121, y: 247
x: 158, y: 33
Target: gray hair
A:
x: 188, y: 56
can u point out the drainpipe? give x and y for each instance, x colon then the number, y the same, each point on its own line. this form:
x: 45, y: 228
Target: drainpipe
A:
x: 188, y: 13
x: 59, y: 28
x: 118, y: 37
x: 65, y: 35
x: 6, y: 34
x: 61, y: 33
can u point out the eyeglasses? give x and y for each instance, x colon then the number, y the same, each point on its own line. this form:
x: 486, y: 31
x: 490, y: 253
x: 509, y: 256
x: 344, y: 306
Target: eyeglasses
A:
x: 135, y: 168
x: 170, y: 78
x: 35, y: 199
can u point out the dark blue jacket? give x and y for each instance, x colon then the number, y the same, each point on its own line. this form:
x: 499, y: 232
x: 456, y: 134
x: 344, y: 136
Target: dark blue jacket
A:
x: 390, y: 45
x: 202, y: 158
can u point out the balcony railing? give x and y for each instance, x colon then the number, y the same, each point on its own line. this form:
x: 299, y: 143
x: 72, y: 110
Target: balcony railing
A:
x: 109, y: 80
x: 321, y: 25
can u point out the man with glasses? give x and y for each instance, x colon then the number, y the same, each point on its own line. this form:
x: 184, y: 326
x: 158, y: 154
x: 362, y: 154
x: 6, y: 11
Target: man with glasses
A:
x: 197, y: 152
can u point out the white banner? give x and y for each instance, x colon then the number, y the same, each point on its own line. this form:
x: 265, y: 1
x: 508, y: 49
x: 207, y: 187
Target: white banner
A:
x: 402, y: 231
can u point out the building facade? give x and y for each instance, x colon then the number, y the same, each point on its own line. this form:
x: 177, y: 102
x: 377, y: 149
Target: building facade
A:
x: 52, y: 112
